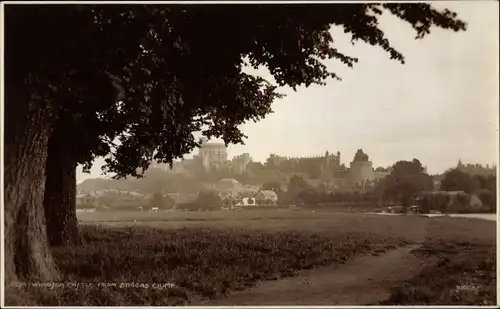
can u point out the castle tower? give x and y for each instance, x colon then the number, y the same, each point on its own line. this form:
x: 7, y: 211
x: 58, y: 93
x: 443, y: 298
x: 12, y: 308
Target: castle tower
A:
x: 361, y: 169
x: 212, y: 154
x: 240, y: 162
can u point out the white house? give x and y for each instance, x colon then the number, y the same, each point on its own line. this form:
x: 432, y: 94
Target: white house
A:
x: 247, y: 201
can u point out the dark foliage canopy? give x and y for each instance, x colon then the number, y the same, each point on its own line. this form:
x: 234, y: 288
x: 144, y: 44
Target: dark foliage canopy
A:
x: 457, y: 180
x: 406, y: 180
x: 208, y: 200
x: 161, y: 201
x: 152, y: 75
x: 487, y: 182
x: 272, y: 185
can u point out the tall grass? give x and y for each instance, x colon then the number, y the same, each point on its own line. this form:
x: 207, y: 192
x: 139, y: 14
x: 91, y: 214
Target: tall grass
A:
x: 187, y: 264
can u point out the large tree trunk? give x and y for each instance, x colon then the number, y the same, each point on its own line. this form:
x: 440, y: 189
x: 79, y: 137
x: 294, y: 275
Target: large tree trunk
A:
x: 60, y: 193
x: 27, y: 128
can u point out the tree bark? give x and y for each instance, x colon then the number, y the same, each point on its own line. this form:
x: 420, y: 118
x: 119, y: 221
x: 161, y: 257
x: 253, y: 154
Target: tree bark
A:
x: 27, y: 128
x: 60, y: 193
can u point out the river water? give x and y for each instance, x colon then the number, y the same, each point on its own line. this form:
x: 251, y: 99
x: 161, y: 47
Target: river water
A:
x: 489, y: 217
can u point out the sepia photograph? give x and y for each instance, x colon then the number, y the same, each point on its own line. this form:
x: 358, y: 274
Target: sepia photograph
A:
x: 249, y: 153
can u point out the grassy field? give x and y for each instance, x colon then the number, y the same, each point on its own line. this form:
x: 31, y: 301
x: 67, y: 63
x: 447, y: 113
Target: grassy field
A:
x: 175, y: 258
x: 460, y: 273
x: 220, y: 215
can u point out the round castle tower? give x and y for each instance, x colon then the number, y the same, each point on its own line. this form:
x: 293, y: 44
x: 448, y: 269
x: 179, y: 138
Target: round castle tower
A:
x: 361, y: 169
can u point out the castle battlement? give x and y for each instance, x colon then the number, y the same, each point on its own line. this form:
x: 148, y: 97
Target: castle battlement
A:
x: 360, y: 163
x: 286, y: 158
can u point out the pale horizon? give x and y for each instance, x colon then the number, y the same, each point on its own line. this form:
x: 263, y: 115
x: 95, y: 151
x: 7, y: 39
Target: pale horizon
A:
x: 439, y: 107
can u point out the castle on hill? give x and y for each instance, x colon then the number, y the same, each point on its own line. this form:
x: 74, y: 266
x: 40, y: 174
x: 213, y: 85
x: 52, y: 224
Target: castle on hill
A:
x: 329, y: 171
x: 210, y: 157
x: 326, y: 170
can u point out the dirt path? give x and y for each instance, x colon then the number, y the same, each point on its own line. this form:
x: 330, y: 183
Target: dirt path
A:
x: 364, y: 280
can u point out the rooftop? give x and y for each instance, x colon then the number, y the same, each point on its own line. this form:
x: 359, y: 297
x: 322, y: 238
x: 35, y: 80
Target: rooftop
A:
x: 229, y: 180
x: 268, y: 193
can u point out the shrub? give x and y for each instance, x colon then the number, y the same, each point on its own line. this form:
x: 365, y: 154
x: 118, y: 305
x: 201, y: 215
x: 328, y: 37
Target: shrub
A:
x: 161, y: 202
x: 488, y: 199
x: 206, y: 201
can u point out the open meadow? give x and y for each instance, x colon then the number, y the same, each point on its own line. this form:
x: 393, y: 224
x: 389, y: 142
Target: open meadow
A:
x: 270, y: 257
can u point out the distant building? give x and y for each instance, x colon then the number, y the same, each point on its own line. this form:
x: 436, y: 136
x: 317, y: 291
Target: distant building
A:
x: 328, y: 173
x: 212, y: 155
x: 86, y: 200
x: 477, y: 169
x: 248, y: 190
x: 225, y: 187
x: 246, y: 201
x: 361, y: 170
x: 183, y: 198
x: 324, y: 166
x: 118, y: 192
x: 227, y: 184
x: 240, y: 163
x: 325, y: 172
x: 264, y: 197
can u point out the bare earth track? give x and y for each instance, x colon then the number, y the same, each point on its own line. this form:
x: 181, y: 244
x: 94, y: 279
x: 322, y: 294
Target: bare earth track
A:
x: 364, y: 280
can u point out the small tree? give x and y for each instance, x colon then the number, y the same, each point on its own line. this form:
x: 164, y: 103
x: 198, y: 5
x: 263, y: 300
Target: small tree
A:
x: 209, y: 201
x: 272, y: 185
x: 406, y: 180
x: 309, y: 196
x: 487, y: 198
x: 161, y: 201
x: 285, y: 198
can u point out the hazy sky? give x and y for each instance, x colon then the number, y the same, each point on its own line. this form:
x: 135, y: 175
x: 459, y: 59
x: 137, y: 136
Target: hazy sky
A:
x: 440, y: 106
